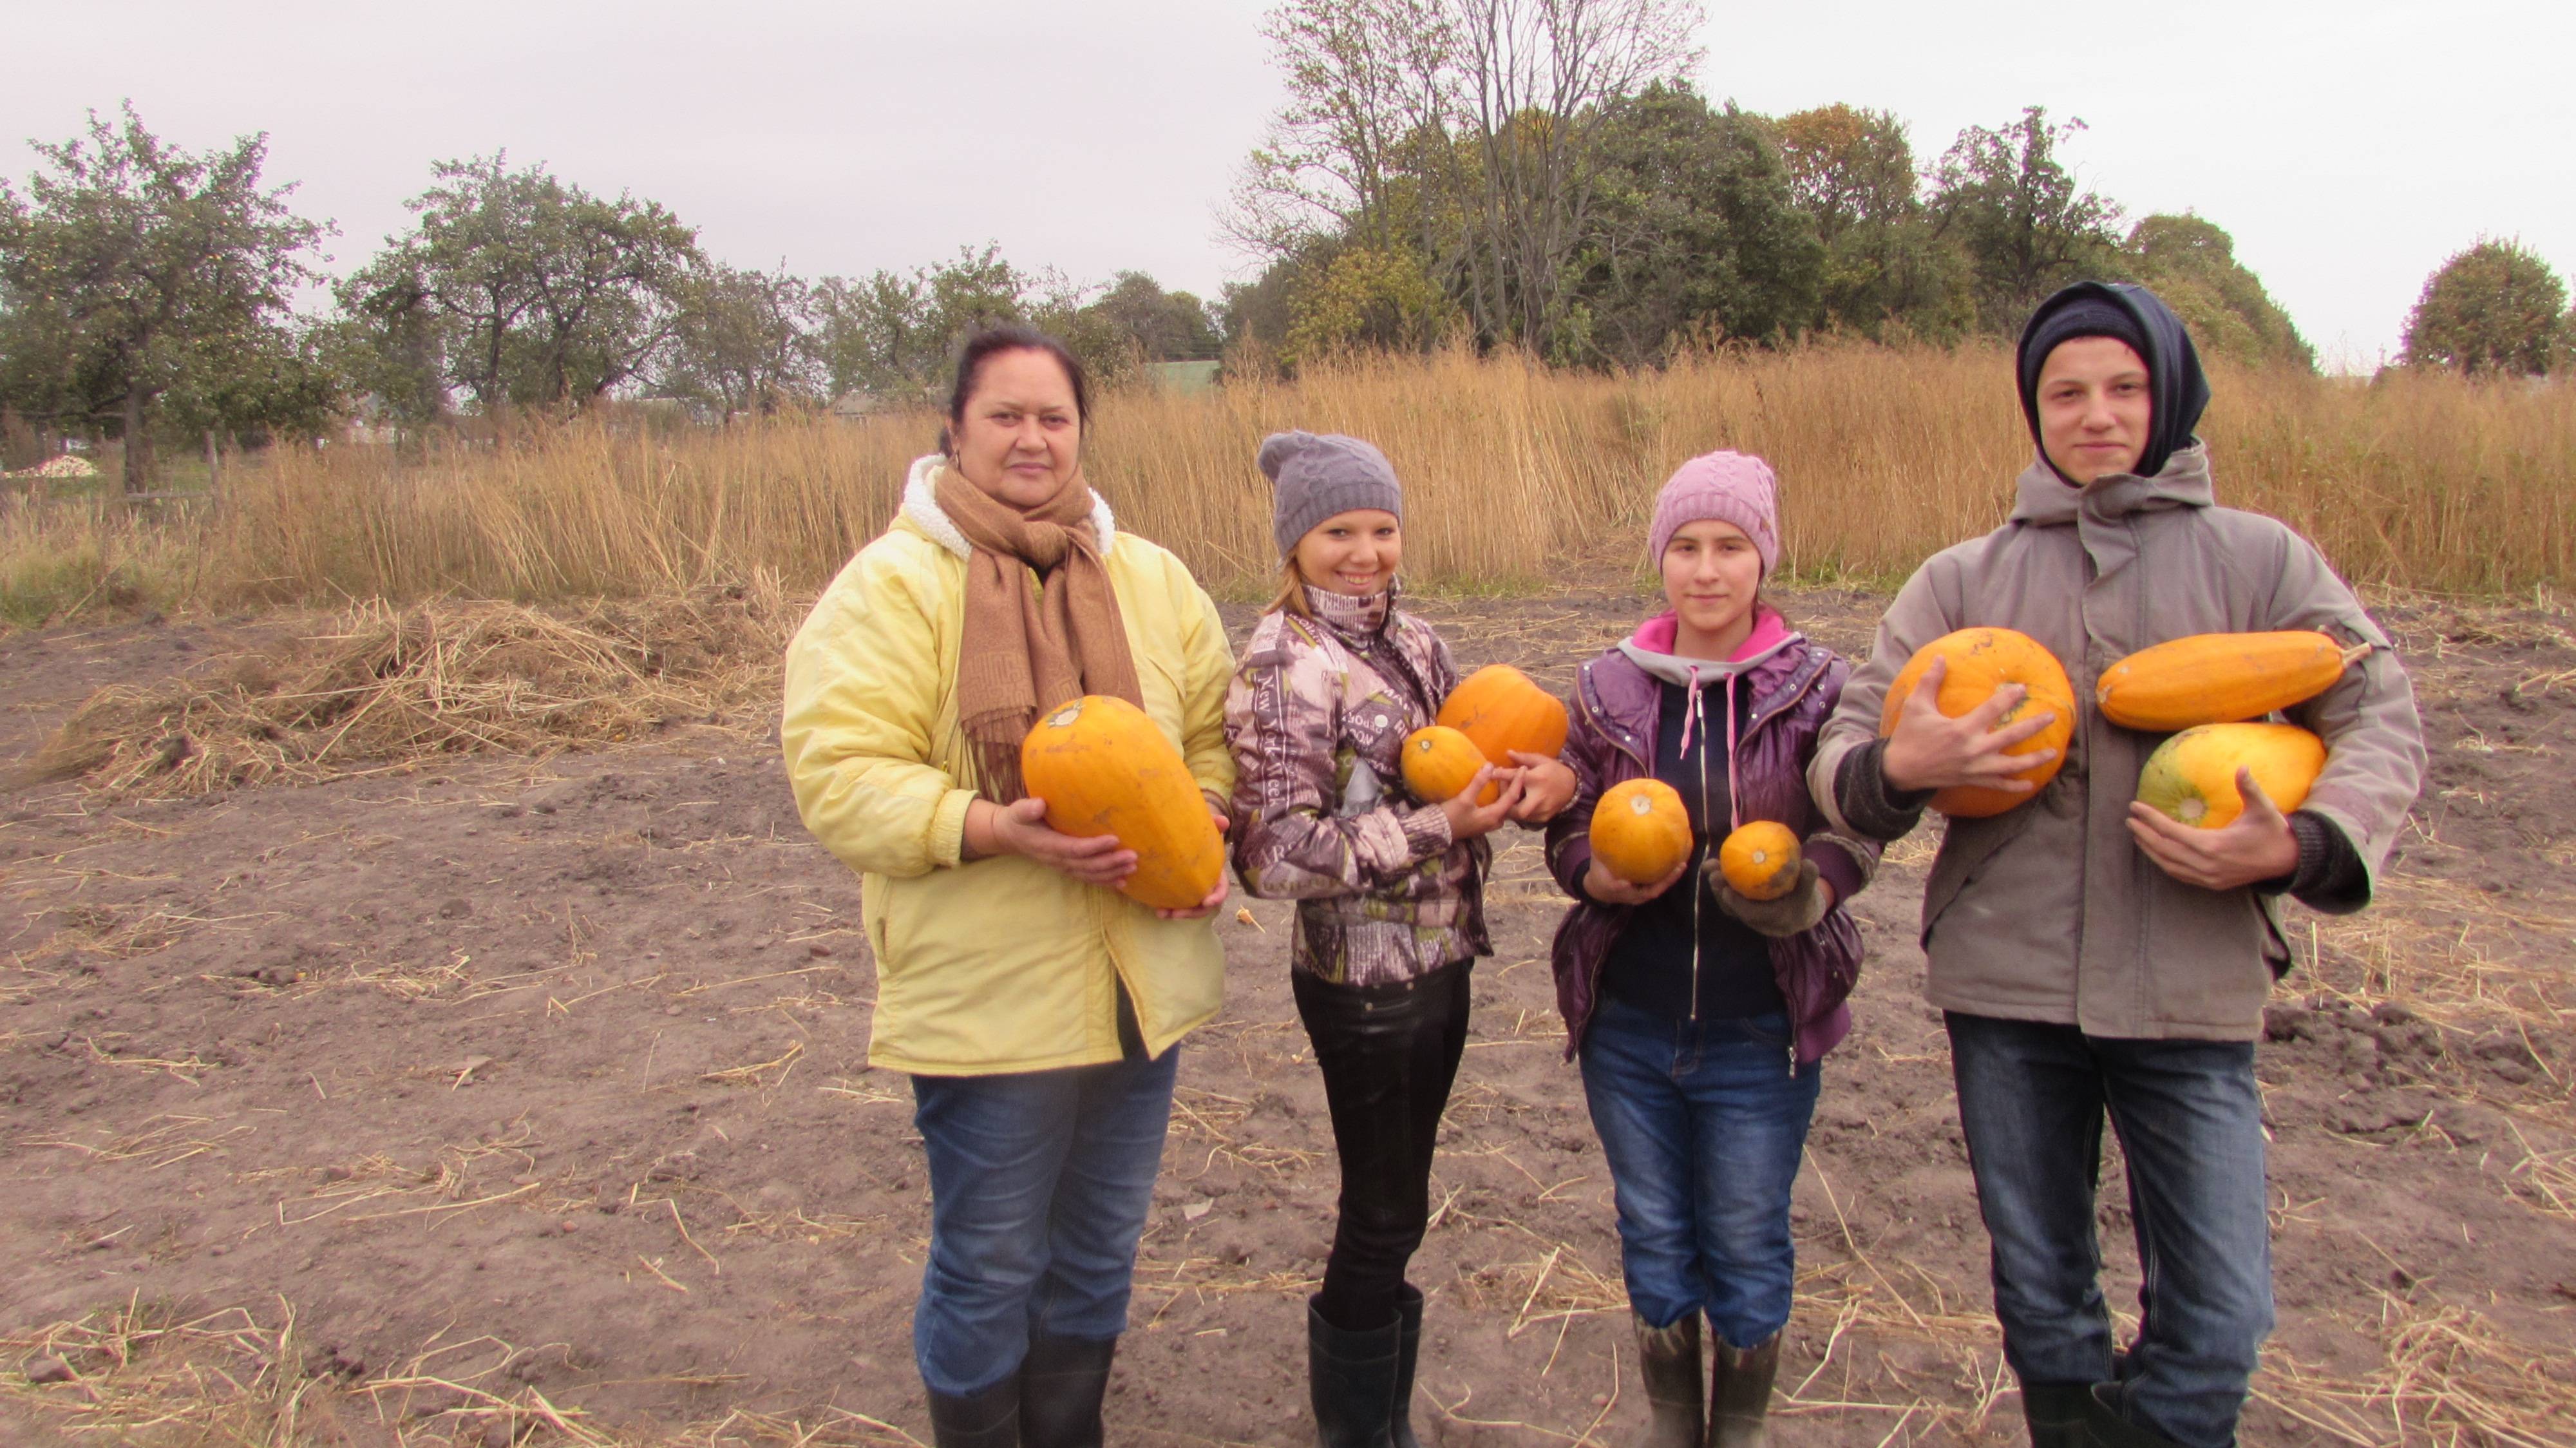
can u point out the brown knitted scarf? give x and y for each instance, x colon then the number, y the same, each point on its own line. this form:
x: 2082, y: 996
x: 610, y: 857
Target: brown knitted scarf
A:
x: 1026, y: 649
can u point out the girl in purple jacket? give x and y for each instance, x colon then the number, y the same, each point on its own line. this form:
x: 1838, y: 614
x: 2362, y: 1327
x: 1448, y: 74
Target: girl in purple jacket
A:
x: 1701, y: 1017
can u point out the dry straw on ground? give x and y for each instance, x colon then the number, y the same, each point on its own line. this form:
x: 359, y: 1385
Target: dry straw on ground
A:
x: 2429, y: 482
x: 380, y: 684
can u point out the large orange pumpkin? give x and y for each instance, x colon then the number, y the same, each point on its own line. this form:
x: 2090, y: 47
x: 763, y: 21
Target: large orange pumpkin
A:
x: 1103, y: 768
x: 1501, y: 710
x: 2192, y: 776
x: 1439, y: 762
x: 2220, y: 678
x: 1641, y: 830
x: 1983, y: 660
x: 1760, y: 860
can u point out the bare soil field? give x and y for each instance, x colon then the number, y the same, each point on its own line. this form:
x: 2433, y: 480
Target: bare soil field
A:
x: 472, y: 1099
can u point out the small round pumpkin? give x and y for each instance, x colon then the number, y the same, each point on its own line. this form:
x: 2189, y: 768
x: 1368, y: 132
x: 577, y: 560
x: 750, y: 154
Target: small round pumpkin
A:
x: 1501, y: 710
x: 1104, y: 768
x: 1760, y: 860
x: 1641, y: 831
x: 2192, y: 776
x: 1983, y: 660
x: 1439, y: 762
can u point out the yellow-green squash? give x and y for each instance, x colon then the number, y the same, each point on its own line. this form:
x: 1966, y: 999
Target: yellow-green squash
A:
x: 2192, y: 776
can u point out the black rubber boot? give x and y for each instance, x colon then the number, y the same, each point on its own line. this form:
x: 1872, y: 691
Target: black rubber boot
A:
x: 989, y: 1419
x: 1408, y: 1320
x: 1062, y: 1381
x: 1739, y: 1401
x: 1352, y: 1378
x: 2055, y: 1413
x: 2106, y: 1421
x: 1668, y: 1359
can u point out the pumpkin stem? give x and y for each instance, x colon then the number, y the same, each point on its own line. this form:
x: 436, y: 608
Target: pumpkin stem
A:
x: 2357, y: 651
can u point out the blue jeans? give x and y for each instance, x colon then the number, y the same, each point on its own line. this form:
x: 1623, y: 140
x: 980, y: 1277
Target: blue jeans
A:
x: 2032, y: 1097
x: 1703, y: 1125
x: 1039, y: 1186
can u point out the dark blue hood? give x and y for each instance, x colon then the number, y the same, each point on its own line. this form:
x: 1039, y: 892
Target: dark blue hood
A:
x: 2140, y: 318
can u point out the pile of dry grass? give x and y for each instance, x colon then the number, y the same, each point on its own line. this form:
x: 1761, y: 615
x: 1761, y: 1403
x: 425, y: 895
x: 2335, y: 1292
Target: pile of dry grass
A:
x: 381, y: 686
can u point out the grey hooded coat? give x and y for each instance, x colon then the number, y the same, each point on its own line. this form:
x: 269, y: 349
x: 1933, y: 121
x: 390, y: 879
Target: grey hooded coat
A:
x: 2049, y: 911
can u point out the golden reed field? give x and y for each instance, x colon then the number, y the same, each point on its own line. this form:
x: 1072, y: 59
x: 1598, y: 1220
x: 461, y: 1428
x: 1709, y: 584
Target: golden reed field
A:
x: 2416, y: 482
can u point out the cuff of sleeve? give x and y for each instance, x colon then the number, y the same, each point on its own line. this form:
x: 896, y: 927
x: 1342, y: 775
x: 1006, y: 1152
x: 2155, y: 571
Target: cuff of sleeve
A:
x: 947, y: 844
x: 1873, y: 809
x: 1835, y: 866
x: 2328, y: 868
x: 1426, y: 831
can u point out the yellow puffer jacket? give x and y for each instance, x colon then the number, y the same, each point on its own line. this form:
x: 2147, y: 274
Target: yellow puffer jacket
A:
x: 997, y: 965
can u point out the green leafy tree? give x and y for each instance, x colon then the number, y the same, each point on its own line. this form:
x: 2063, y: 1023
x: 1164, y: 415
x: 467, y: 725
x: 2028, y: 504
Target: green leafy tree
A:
x: 2495, y: 307
x: 741, y: 342
x: 521, y: 290
x: 1377, y: 298
x: 134, y: 273
x: 2026, y: 225
x: 1165, y: 326
x: 896, y: 333
x: 1456, y: 139
x: 2192, y: 264
x: 1885, y: 265
x: 1697, y: 230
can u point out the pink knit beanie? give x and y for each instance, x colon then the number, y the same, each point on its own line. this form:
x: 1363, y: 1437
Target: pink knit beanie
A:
x: 1731, y: 487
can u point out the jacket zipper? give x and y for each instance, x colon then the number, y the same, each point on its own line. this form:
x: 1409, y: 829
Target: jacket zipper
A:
x: 1699, y: 946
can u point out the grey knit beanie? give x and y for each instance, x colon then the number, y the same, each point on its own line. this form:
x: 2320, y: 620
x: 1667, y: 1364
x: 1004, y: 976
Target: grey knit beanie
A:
x: 1321, y: 474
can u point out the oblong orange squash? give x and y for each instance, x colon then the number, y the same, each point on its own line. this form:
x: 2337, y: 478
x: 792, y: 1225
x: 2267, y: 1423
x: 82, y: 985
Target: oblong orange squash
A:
x: 1438, y: 763
x: 1760, y: 860
x: 1983, y: 660
x: 1103, y: 768
x: 1641, y: 831
x: 2220, y: 678
x: 1502, y: 710
x: 2192, y: 776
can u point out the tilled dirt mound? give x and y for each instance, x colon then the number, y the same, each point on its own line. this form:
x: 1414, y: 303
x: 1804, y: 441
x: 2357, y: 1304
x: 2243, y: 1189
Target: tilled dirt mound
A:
x: 496, y: 1099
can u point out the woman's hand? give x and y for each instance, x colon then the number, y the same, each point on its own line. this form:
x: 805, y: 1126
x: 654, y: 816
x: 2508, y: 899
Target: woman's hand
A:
x: 2255, y: 846
x: 1216, y: 897
x: 1609, y: 889
x: 1930, y: 750
x: 1547, y: 787
x: 1468, y: 819
x: 1020, y: 828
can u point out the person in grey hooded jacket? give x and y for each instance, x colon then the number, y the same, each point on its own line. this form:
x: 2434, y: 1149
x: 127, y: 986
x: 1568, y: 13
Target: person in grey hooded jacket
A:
x: 2091, y: 955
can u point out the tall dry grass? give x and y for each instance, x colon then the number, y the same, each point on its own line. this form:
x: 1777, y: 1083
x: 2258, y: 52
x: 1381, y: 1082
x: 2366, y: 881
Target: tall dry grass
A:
x: 1511, y: 471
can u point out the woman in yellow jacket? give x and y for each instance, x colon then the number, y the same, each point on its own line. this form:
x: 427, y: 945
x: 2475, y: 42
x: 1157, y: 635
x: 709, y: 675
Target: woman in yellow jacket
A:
x: 1037, y: 1010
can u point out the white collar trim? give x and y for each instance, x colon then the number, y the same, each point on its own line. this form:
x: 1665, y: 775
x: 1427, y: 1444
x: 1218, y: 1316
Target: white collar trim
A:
x: 921, y: 505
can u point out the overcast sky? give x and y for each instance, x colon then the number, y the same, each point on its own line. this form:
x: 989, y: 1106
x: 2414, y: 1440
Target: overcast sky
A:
x: 2349, y: 145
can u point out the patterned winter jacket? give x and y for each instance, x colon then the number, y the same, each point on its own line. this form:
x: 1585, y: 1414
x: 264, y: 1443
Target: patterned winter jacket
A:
x: 1794, y: 686
x: 1316, y: 716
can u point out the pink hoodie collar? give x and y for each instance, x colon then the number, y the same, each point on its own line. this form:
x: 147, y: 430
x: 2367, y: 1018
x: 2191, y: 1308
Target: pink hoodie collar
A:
x: 1770, y: 631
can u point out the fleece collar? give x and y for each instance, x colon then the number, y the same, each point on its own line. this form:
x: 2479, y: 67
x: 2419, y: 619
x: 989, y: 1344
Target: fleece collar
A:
x: 1651, y: 649
x: 921, y: 507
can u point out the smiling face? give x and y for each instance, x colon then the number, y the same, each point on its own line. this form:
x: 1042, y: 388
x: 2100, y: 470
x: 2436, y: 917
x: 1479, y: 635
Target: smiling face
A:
x: 1020, y: 435
x: 1353, y: 553
x: 2095, y: 408
x: 1712, y: 574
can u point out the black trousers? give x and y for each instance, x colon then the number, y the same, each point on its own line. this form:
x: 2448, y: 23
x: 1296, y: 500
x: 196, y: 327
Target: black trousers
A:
x: 1389, y: 1054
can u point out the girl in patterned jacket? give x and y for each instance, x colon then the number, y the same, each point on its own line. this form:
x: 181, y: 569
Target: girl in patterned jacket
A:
x: 1388, y: 888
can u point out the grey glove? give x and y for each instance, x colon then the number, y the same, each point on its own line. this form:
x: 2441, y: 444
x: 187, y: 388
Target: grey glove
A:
x: 1792, y: 914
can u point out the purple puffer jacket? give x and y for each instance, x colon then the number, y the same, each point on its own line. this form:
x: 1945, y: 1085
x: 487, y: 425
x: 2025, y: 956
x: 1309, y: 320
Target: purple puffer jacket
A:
x: 1794, y: 687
